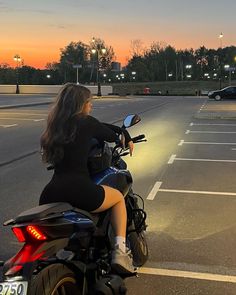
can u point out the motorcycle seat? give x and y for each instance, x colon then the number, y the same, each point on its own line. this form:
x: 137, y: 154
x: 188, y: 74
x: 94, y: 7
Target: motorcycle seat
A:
x: 47, y: 210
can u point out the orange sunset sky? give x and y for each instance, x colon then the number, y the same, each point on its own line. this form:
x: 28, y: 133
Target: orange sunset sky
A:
x: 36, y: 30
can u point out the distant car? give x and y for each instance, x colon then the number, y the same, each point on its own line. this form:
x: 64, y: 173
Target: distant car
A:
x: 227, y: 92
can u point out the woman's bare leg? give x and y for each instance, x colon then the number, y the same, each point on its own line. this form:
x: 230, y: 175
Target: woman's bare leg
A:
x: 121, y: 260
x: 115, y: 200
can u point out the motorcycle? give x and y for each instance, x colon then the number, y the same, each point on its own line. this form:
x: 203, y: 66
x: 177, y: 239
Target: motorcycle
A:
x: 68, y: 250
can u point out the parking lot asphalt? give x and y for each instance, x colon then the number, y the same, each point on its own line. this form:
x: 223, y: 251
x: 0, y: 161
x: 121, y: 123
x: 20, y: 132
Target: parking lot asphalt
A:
x: 211, y: 109
x: 191, y: 212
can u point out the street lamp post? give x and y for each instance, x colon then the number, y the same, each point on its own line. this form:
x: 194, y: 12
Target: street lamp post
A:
x: 133, y: 75
x: 228, y: 68
x: 100, y: 52
x: 77, y: 67
x: 17, y: 59
x: 220, y: 72
x: 188, y: 71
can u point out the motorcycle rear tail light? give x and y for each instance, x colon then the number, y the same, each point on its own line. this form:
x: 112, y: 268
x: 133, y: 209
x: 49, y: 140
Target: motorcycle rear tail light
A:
x: 35, y: 233
x: 19, y: 234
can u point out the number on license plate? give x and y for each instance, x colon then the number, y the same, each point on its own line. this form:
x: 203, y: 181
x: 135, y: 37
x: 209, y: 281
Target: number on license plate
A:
x: 13, y: 288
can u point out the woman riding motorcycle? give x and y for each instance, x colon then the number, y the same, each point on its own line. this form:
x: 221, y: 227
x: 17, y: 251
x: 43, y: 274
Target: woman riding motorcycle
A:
x: 65, y: 144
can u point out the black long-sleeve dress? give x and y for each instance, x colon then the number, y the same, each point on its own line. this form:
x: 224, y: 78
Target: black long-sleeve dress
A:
x: 71, y: 181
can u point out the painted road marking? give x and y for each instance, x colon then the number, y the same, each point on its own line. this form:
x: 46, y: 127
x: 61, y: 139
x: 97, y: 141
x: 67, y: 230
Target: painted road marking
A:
x: 173, y: 158
x: 8, y: 126
x: 196, y: 192
x: 158, y: 184
x: 187, y: 274
x: 181, y: 142
x: 20, y: 119
x: 200, y: 131
x: 30, y: 114
x: 202, y: 124
x: 205, y: 142
x: 38, y: 120
x: 154, y: 191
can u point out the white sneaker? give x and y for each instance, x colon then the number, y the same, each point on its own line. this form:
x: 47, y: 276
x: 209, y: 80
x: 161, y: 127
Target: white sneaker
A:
x: 122, y: 262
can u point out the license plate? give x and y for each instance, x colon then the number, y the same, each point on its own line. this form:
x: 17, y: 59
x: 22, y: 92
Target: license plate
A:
x: 13, y: 288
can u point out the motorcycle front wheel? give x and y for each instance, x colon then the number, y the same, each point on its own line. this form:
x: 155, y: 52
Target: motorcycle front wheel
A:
x: 139, y: 248
x: 53, y: 280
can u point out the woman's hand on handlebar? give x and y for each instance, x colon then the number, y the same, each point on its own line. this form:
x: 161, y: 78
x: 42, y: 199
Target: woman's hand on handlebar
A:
x: 131, y: 147
x: 130, y: 144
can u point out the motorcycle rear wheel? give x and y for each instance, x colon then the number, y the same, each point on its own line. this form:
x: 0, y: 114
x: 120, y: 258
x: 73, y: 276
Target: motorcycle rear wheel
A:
x: 55, y: 279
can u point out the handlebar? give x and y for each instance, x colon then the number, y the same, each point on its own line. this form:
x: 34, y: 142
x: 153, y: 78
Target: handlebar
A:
x: 138, y: 138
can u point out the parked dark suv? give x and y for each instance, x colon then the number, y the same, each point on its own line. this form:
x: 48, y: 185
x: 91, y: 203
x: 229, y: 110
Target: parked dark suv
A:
x: 227, y: 92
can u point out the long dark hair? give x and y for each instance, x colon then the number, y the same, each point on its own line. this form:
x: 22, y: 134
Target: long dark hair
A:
x: 61, y: 123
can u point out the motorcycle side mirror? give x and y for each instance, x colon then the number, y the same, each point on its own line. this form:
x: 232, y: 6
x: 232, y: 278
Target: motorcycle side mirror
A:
x: 131, y: 120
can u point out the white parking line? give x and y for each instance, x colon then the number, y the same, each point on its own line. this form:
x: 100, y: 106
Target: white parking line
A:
x: 206, y: 142
x: 201, y: 124
x: 181, y: 142
x: 158, y: 184
x: 154, y: 191
x: 30, y: 114
x: 200, y: 131
x: 20, y: 119
x: 196, y: 192
x: 38, y: 120
x: 173, y: 158
x: 187, y: 274
x: 8, y: 126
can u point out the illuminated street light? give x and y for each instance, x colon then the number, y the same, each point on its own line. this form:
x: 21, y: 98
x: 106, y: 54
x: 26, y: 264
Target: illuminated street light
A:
x: 220, y: 58
x: 188, y: 71
x: 133, y: 75
x: 99, y: 53
x: 220, y: 37
x: 17, y: 59
x: 229, y: 69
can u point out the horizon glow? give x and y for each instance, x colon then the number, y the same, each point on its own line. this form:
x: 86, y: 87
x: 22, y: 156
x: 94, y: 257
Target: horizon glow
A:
x: 37, y: 31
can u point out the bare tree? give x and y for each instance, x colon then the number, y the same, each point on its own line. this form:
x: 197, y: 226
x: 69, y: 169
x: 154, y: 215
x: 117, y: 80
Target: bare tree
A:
x: 136, y: 47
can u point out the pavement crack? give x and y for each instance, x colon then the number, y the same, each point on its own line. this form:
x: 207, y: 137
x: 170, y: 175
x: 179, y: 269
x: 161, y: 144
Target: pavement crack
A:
x: 2, y: 164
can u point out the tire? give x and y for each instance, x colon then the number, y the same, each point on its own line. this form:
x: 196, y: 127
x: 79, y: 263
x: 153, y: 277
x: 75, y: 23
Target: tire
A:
x: 136, y: 239
x: 139, y: 248
x: 217, y: 97
x: 55, y: 279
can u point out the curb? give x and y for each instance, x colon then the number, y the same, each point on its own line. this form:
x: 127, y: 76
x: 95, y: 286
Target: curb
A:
x: 49, y: 102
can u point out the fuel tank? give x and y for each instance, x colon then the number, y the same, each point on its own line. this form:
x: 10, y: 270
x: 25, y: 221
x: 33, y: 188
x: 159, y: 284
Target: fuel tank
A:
x: 116, y: 178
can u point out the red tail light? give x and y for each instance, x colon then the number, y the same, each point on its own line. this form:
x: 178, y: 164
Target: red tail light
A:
x: 19, y: 234
x: 35, y: 233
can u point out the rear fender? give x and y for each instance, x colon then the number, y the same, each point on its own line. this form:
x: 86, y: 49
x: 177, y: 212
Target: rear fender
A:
x: 30, y: 255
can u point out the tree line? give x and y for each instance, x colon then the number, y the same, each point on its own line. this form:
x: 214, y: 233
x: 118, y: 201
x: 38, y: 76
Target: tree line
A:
x: 159, y: 62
